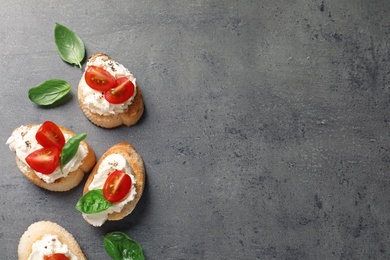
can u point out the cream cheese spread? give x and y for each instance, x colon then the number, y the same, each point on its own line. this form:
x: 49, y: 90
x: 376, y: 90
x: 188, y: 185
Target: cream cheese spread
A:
x: 23, y: 142
x: 109, y: 164
x: 94, y: 100
x: 48, y: 245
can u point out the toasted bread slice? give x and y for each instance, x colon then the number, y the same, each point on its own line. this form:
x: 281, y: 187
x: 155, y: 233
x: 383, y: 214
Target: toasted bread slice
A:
x: 38, y: 230
x: 64, y: 183
x: 128, y: 117
x: 138, y: 171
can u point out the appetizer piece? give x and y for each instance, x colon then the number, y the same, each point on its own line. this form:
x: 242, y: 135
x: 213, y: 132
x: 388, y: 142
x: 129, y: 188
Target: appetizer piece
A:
x: 108, y: 93
x: 48, y: 241
x: 52, y: 157
x: 114, y: 186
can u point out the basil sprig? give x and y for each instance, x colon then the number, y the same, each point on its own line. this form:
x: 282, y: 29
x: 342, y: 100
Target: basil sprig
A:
x: 93, y: 202
x: 121, y: 247
x: 69, y: 45
x: 48, y: 91
x: 70, y: 148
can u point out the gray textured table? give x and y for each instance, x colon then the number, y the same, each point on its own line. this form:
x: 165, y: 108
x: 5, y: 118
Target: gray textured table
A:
x: 265, y: 135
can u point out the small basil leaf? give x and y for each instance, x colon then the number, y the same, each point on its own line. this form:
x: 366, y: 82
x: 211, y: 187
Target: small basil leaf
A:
x: 48, y: 91
x: 70, y: 148
x: 121, y: 247
x: 69, y: 45
x: 93, y: 202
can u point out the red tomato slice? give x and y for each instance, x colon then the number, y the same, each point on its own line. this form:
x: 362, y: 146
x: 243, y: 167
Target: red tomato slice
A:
x: 56, y: 257
x: 44, y: 160
x: 122, y: 92
x: 99, y: 79
x: 117, y: 186
x: 49, y: 134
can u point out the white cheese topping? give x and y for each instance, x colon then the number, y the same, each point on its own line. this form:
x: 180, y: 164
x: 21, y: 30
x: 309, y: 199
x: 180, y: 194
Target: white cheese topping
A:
x: 108, y: 165
x: 94, y: 100
x: 23, y: 142
x: 48, y: 245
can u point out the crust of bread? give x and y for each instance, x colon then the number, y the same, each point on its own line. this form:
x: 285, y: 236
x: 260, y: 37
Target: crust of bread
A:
x: 138, y: 170
x: 129, y: 117
x: 37, y: 230
x: 62, y: 184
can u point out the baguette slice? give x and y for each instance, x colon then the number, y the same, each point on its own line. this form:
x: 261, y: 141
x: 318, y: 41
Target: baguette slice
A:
x: 129, y: 117
x: 62, y: 184
x: 37, y: 230
x: 138, y: 170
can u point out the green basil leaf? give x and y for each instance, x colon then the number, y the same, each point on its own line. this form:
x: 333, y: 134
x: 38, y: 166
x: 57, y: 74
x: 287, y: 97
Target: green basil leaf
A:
x: 70, y: 148
x: 48, y: 92
x: 121, y: 247
x: 93, y: 202
x: 69, y: 45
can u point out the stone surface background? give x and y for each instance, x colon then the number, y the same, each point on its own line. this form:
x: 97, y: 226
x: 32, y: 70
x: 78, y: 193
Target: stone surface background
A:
x: 265, y: 135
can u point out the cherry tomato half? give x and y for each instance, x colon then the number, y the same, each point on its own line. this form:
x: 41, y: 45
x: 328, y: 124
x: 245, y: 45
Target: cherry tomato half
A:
x: 57, y: 256
x: 49, y: 134
x: 117, y: 186
x: 44, y: 160
x: 122, y: 92
x: 99, y: 79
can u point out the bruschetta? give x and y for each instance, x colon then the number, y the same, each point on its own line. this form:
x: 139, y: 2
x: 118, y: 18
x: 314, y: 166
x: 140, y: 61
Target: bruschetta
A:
x: 108, y: 93
x: 114, y: 186
x: 48, y: 240
x: 39, y: 150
